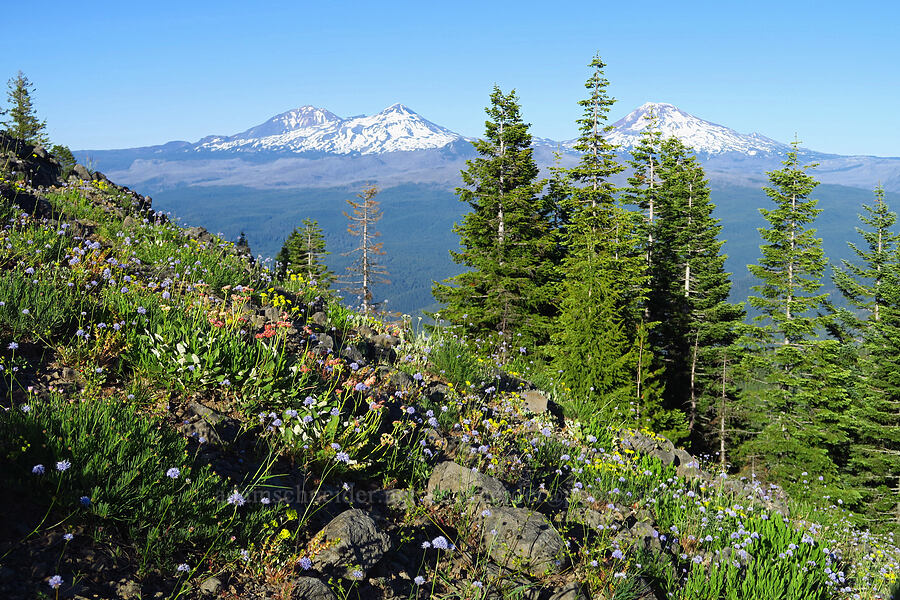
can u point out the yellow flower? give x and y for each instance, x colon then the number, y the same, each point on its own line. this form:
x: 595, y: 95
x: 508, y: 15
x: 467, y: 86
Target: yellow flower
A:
x: 284, y: 534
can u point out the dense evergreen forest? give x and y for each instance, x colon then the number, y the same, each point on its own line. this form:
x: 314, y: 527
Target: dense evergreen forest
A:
x: 619, y: 295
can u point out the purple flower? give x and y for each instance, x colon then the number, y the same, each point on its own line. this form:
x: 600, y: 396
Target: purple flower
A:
x: 68, y: 537
x: 236, y: 499
x: 173, y: 473
x: 440, y: 542
x: 55, y: 581
x: 63, y: 465
x: 305, y: 563
x: 13, y: 346
x: 183, y: 568
x: 85, y: 501
x: 38, y: 469
x: 342, y: 457
x: 419, y: 580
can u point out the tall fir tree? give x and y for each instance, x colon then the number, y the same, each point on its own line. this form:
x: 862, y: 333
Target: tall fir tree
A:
x: 689, y: 291
x: 22, y: 122
x: 871, y: 286
x: 862, y: 283
x: 505, y: 239
x: 599, y: 347
x: 365, y: 271
x: 303, y: 253
x: 798, y: 396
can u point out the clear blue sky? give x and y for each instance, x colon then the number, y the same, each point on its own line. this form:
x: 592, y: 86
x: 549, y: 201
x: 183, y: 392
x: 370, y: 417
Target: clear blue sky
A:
x: 123, y: 74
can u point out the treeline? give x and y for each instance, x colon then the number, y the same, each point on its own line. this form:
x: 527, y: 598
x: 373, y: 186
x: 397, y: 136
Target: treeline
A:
x: 621, y: 293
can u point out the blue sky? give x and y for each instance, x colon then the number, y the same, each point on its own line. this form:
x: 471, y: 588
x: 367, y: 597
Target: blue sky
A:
x: 122, y: 74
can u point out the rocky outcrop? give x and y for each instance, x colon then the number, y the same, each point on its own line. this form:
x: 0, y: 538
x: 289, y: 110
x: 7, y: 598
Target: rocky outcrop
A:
x: 353, y: 544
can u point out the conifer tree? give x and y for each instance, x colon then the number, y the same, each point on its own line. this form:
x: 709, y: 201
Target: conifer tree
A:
x: 304, y: 252
x: 365, y: 271
x: 505, y: 239
x: 862, y: 283
x: 644, y: 183
x: 599, y: 347
x: 689, y: 290
x: 799, y: 397
x: 872, y: 286
x: 22, y: 122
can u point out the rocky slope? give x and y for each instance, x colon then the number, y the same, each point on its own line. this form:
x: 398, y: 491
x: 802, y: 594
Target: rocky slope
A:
x: 182, y: 427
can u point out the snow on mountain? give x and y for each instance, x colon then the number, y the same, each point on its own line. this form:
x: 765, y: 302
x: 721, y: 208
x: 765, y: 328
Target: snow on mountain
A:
x: 701, y: 135
x: 311, y: 129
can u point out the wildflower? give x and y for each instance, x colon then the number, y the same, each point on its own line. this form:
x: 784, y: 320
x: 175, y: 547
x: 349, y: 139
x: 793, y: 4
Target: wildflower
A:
x: 38, y: 469
x: 245, y: 555
x: 440, y: 543
x: 357, y: 574
x: 617, y: 554
x: 265, y: 500
x: 225, y: 382
x: 182, y: 568
x: 236, y: 498
x: 55, y: 581
x: 173, y: 473
x: 342, y: 457
x: 485, y: 513
x: 25, y: 311
x: 26, y: 408
x: 63, y: 465
x: 141, y: 310
x: 419, y: 580
x: 85, y: 501
x: 426, y: 545
x: 13, y: 346
x: 619, y: 575
x: 305, y: 563
x: 309, y: 401
x: 477, y: 584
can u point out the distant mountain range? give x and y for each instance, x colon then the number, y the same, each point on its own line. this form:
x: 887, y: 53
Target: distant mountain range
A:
x: 306, y: 161
x: 313, y: 147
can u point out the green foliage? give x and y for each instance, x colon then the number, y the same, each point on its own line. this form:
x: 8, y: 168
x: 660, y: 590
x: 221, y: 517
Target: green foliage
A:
x: 505, y: 240
x: 119, y: 460
x: 22, y: 122
x: 872, y: 286
x: 303, y: 253
x: 800, y: 406
x: 65, y: 158
x: 689, y: 290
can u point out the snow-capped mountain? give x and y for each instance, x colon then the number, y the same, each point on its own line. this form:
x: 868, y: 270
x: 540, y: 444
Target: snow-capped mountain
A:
x: 311, y: 129
x: 702, y: 136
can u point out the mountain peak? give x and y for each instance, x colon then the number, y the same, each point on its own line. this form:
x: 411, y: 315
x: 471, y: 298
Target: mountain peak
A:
x: 398, y: 108
x: 703, y: 136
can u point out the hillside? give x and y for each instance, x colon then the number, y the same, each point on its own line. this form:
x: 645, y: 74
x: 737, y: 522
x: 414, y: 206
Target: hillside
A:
x: 176, y: 426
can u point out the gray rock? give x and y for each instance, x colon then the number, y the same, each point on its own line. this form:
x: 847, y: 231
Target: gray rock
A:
x: 352, y: 354
x: 683, y: 457
x: 211, y: 586
x: 353, y: 543
x: 657, y: 447
x: 81, y: 172
x: 394, y: 499
x: 310, y: 588
x: 326, y: 341
x: 385, y: 341
x: 402, y: 380
x: 646, y: 537
x: 319, y: 318
x: 521, y: 537
x: 128, y: 589
x: 365, y: 331
x: 568, y: 592
x: 271, y: 313
x: 535, y: 401
x: 451, y: 477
